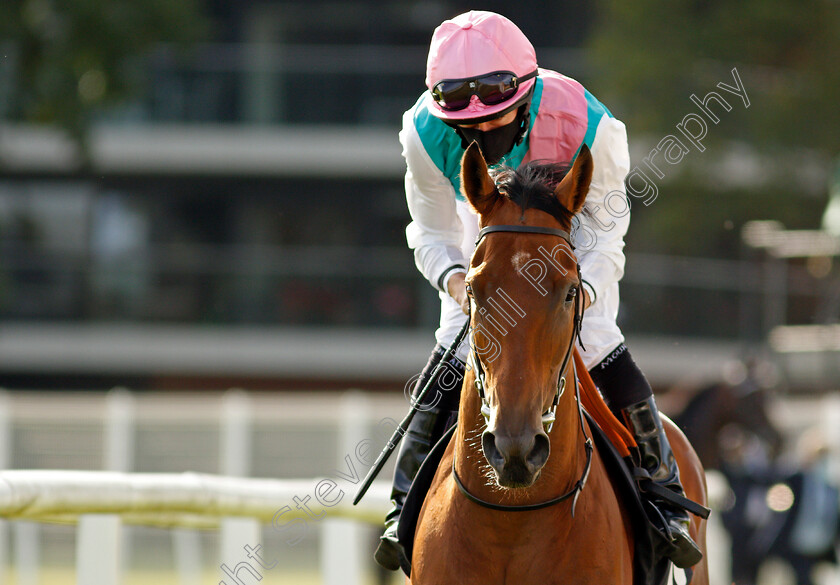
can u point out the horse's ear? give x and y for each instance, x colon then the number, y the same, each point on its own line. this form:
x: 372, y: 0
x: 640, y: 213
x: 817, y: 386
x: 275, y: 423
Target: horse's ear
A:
x: 479, y: 188
x: 572, y: 190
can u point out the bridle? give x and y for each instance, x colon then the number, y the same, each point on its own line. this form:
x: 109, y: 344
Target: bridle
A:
x: 548, y: 416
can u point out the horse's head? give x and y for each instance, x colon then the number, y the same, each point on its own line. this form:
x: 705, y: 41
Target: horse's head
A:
x: 525, y: 292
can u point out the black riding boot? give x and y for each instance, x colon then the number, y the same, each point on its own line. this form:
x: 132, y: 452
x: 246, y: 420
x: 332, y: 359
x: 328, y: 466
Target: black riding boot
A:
x: 425, y: 429
x: 658, y: 460
x: 415, y: 446
x: 630, y: 397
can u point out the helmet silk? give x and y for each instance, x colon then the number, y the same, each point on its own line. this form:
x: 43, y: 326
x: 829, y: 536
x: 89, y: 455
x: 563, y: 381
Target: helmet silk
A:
x: 473, y: 44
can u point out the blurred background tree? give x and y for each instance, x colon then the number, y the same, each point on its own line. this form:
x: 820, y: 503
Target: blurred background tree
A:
x: 72, y: 58
x: 656, y: 53
x: 653, y: 54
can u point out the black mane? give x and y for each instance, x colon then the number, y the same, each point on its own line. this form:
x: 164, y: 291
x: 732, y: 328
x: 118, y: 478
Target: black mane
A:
x: 532, y: 185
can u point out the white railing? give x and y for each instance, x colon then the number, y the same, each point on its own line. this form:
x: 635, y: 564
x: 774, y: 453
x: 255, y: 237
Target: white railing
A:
x: 225, y: 501
x: 187, y: 500
x: 242, y: 510
x: 100, y: 502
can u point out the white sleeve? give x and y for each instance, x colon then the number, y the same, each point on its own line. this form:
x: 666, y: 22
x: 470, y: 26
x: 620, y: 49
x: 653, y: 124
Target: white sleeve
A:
x: 435, y: 232
x: 606, y: 214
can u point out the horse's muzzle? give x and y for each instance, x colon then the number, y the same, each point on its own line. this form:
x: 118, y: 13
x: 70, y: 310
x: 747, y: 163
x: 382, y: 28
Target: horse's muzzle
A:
x: 517, y: 460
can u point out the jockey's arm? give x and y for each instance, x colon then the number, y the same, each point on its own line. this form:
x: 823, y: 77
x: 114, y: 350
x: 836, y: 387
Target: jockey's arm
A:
x: 435, y: 232
x: 607, y: 211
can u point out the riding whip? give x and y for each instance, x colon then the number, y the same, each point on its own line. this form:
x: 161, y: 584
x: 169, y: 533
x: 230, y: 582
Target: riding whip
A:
x: 415, y: 406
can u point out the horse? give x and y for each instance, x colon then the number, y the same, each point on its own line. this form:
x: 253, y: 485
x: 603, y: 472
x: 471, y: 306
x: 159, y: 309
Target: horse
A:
x: 720, y: 407
x: 729, y: 425
x: 520, y: 497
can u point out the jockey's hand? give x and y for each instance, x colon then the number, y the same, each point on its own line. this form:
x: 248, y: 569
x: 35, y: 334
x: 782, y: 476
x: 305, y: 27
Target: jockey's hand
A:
x: 586, y: 301
x: 458, y: 290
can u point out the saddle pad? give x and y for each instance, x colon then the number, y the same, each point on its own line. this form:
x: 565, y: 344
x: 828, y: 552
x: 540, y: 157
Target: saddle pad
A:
x: 650, y: 566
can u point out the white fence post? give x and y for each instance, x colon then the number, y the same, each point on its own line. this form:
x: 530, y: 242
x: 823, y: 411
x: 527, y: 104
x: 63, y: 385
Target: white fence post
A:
x: 235, y: 461
x: 27, y: 552
x: 119, y: 431
x: 5, y: 463
x: 27, y: 535
x: 101, y: 542
x: 98, y: 550
x: 831, y: 433
x: 344, y: 553
x: 118, y: 456
x: 187, y: 548
x: 717, y: 538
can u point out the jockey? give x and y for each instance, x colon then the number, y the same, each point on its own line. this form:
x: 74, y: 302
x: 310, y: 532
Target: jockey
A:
x: 485, y: 86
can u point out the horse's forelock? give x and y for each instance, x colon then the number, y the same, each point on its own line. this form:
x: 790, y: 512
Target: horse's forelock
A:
x: 532, y: 185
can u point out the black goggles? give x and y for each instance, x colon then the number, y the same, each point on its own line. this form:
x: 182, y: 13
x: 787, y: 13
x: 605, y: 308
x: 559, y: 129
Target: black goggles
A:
x: 492, y: 88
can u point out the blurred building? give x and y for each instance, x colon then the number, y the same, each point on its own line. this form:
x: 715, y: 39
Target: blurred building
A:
x: 243, y: 219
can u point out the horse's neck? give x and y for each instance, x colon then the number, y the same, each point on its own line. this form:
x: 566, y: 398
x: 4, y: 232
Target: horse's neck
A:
x: 565, y: 463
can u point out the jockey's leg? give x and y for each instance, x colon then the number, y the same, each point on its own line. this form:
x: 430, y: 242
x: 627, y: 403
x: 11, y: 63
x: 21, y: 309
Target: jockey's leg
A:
x: 437, y: 412
x: 630, y: 397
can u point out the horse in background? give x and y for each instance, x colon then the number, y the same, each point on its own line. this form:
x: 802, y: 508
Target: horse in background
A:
x: 717, y: 411
x: 774, y: 509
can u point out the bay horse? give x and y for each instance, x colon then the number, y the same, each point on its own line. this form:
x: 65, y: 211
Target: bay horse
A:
x: 548, y: 511
x: 716, y: 407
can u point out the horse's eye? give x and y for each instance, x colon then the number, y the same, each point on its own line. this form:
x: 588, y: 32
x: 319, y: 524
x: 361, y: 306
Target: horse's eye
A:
x: 570, y: 296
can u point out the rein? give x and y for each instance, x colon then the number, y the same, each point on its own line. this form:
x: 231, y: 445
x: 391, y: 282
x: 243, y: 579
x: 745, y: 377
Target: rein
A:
x: 548, y: 417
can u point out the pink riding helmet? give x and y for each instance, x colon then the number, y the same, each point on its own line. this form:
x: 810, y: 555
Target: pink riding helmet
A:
x: 475, y: 43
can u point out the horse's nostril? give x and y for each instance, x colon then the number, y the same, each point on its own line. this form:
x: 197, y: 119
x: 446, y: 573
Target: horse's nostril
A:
x: 500, y: 450
x: 491, y: 451
x: 539, y: 453
x: 516, y: 460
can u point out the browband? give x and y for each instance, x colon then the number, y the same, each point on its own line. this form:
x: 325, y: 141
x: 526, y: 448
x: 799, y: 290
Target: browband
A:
x: 528, y: 229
